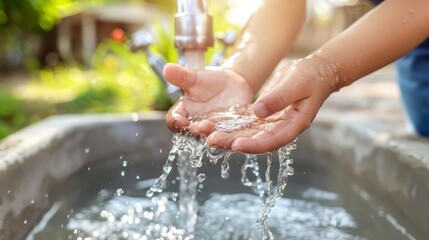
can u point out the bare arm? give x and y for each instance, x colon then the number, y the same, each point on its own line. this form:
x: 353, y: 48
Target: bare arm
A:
x: 380, y: 37
x: 297, y: 91
x: 385, y: 34
x: 266, y: 39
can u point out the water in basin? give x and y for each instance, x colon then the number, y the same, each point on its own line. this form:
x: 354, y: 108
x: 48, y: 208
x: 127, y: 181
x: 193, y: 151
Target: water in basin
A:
x: 107, y: 200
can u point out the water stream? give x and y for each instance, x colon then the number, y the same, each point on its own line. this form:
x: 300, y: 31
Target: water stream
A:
x: 194, y: 60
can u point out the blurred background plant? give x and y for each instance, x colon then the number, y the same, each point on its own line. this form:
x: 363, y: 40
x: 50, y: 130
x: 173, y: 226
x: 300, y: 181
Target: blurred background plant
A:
x: 73, y: 56
x: 115, y: 80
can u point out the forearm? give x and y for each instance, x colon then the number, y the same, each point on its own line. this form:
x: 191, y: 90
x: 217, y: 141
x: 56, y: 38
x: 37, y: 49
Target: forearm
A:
x: 266, y: 39
x: 385, y: 34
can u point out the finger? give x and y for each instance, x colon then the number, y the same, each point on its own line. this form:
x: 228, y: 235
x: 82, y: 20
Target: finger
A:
x: 179, y: 76
x: 203, y: 127
x: 297, y: 119
x: 224, y: 140
x: 262, y: 142
x: 279, y: 97
x: 177, y: 118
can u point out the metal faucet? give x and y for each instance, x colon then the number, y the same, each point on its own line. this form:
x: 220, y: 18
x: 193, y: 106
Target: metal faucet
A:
x: 193, y: 33
x: 193, y: 26
x: 227, y: 40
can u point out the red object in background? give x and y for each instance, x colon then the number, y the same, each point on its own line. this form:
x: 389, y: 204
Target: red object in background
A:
x: 118, y: 35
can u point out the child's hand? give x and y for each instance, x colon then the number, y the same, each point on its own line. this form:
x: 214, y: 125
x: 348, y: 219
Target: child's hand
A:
x: 289, y: 104
x: 204, y: 91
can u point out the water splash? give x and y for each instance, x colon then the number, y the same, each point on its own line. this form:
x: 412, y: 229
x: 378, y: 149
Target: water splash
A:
x: 201, y: 177
x: 285, y: 170
x: 189, y: 151
x: 225, y: 165
x: 160, y: 182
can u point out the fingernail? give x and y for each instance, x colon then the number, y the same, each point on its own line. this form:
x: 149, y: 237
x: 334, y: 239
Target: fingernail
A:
x: 260, y: 109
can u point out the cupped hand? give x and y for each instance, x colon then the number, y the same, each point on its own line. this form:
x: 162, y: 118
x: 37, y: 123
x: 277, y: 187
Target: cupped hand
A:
x: 204, y: 91
x: 286, y: 107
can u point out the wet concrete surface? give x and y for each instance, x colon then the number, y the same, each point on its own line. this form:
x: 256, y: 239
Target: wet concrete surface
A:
x: 372, y: 106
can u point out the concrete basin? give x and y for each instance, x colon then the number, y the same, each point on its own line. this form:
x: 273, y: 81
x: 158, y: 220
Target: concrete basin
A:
x: 38, y: 160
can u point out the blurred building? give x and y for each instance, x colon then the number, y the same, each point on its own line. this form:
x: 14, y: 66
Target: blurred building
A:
x: 76, y: 36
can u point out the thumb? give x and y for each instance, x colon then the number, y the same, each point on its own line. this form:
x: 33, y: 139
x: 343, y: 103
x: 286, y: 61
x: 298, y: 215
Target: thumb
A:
x: 179, y: 76
x: 276, y: 99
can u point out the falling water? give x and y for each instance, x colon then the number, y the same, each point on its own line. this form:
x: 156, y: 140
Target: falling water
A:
x: 189, y: 159
x: 190, y: 151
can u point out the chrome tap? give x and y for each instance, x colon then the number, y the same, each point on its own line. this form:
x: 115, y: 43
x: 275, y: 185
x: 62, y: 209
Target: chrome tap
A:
x: 227, y: 40
x: 193, y: 26
x: 193, y: 35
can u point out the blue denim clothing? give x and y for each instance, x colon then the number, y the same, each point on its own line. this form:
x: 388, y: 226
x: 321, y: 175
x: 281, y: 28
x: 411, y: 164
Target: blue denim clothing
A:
x: 413, y: 78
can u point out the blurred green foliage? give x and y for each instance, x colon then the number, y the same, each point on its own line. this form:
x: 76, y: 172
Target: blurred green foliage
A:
x: 118, y: 80
x: 12, y: 113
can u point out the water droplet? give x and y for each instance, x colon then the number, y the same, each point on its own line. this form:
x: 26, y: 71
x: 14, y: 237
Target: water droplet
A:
x: 122, y: 173
x: 119, y: 192
x: 103, y: 193
x: 89, y: 168
x: 134, y: 117
x: 87, y: 150
x: 9, y: 191
x: 174, y: 196
x: 32, y: 201
x: 225, y: 165
x: 96, y: 233
x: 25, y: 221
x: 124, y: 163
x: 137, y: 177
x: 201, y: 177
x: 137, y: 133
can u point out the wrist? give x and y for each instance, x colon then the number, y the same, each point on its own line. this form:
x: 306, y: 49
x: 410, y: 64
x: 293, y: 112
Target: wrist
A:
x: 343, y: 72
x: 232, y: 68
x: 327, y: 70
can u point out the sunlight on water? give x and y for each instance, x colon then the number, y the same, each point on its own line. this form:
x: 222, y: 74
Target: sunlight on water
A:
x: 221, y: 217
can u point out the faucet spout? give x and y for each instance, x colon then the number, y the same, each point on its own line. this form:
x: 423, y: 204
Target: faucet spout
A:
x: 193, y: 26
